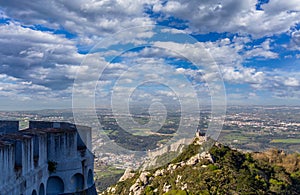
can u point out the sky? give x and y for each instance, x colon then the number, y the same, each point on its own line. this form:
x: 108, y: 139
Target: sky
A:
x: 117, y: 52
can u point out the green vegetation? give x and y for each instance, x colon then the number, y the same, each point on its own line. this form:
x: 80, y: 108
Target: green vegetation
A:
x: 176, y: 192
x: 288, y: 141
x: 237, y: 136
x: 189, y: 151
x: 106, y: 176
x: 107, y: 171
x: 137, y: 140
x: 232, y: 172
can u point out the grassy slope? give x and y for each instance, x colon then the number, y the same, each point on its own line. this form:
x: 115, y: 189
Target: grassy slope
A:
x: 232, y: 172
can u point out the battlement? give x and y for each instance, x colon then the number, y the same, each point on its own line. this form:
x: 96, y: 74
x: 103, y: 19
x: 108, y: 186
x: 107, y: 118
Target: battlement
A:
x: 9, y: 127
x: 47, y: 158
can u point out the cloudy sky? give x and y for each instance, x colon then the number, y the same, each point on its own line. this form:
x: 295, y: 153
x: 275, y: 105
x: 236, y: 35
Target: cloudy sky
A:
x: 149, y: 50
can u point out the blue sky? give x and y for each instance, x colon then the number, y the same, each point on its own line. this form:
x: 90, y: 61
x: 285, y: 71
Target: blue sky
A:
x: 44, y: 44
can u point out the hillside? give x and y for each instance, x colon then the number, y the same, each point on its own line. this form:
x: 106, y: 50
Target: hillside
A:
x: 221, y: 170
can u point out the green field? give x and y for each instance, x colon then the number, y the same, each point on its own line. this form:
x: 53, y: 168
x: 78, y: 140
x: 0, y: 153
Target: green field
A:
x: 106, y: 176
x: 235, y: 136
x: 107, y: 171
x: 141, y: 131
x: 286, y: 141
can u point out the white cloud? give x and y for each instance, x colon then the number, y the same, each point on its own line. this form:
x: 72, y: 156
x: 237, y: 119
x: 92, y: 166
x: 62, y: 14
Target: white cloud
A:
x: 173, y: 31
x: 261, y: 52
x: 244, y: 75
x: 94, y: 19
x: 233, y: 16
x: 282, y: 83
x: 295, y: 41
x: 86, y: 18
x: 40, y: 57
x: 21, y: 90
x: 264, y: 50
x: 291, y: 82
x: 37, y: 67
x: 46, y: 64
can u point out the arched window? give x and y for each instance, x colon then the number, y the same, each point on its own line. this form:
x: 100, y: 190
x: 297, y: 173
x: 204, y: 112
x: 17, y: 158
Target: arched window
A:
x: 42, y: 189
x: 90, y: 180
x: 55, y: 185
x: 34, y: 192
x: 77, y: 181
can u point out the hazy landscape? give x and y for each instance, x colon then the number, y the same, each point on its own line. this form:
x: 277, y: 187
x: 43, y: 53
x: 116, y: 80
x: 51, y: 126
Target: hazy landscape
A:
x: 247, y: 128
x: 155, y: 97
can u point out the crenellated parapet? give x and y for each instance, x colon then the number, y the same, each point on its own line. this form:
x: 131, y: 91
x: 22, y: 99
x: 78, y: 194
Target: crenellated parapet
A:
x: 47, y: 158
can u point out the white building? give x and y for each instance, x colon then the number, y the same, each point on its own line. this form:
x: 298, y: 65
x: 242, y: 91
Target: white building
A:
x: 47, y: 158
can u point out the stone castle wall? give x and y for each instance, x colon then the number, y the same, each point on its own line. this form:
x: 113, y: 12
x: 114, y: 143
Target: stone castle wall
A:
x: 47, y: 158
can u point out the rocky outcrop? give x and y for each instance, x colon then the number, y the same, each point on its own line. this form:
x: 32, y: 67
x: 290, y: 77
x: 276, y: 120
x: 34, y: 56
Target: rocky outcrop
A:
x: 198, y: 157
x: 127, y: 174
x: 220, y: 171
x: 144, y: 179
x: 159, y: 172
x: 138, y: 187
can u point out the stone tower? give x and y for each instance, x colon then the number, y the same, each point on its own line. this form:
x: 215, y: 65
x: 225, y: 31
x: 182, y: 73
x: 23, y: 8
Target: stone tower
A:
x: 47, y: 158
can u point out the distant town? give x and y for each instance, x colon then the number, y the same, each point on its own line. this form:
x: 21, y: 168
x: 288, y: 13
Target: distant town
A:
x: 248, y: 128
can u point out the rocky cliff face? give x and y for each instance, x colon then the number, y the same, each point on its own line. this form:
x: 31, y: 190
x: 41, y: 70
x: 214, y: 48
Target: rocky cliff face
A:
x: 220, y: 170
